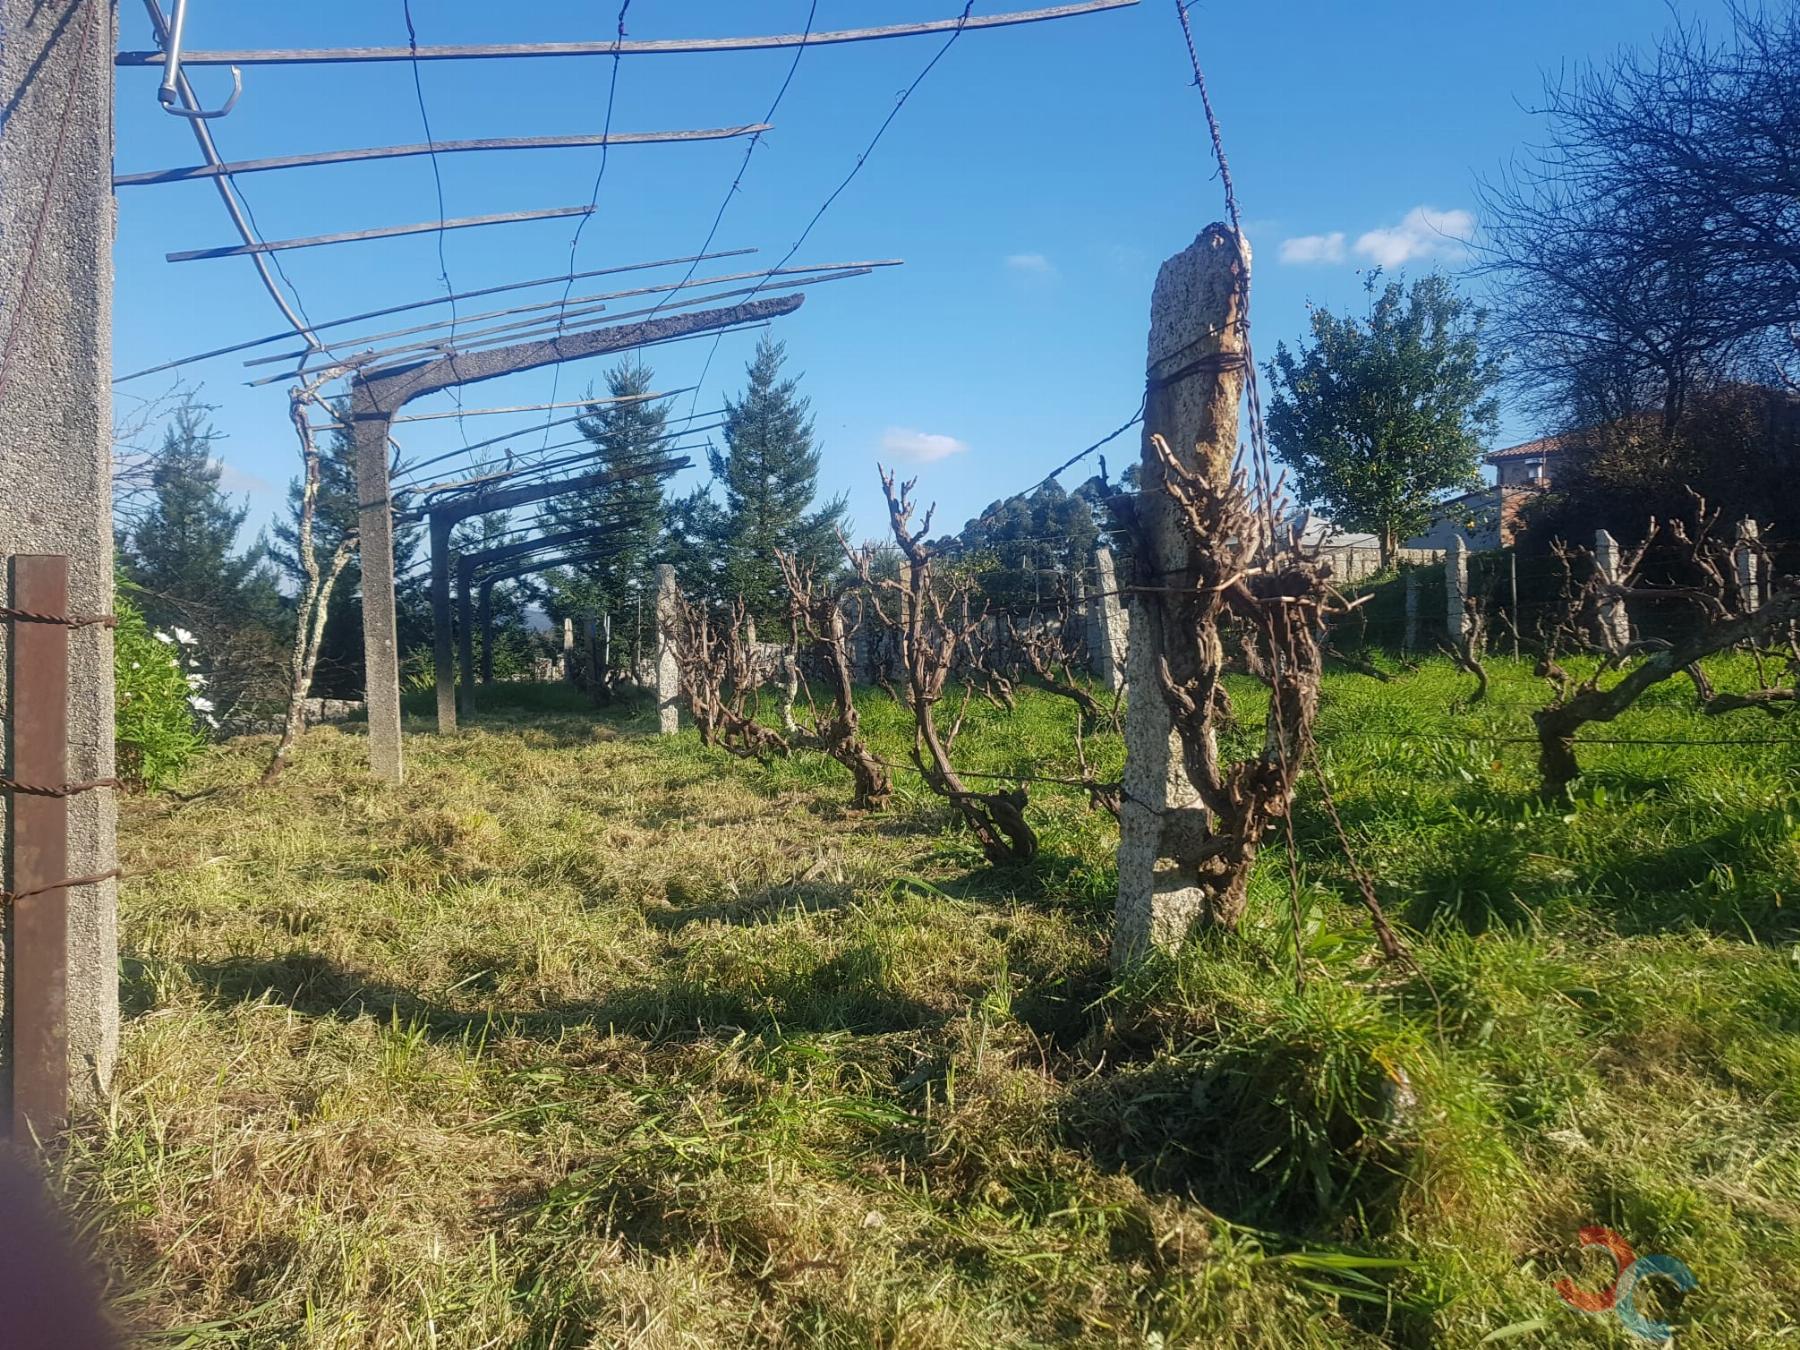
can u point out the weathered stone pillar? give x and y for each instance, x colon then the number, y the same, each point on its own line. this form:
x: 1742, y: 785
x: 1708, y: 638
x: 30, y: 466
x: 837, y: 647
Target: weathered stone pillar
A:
x: 605, y: 646
x: 1409, y: 640
x: 1107, y: 624
x: 55, y: 451
x: 590, y: 635
x: 861, y: 667
x: 1194, y: 380
x: 485, y: 620
x: 370, y: 422
x: 442, y: 636
x: 896, y: 656
x: 1614, y: 619
x: 1456, y: 591
x: 1746, y: 563
x: 668, y: 670
x: 568, y: 649
x: 465, y: 637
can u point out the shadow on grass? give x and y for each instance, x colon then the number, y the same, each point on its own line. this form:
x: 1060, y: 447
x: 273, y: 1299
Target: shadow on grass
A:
x: 847, y: 993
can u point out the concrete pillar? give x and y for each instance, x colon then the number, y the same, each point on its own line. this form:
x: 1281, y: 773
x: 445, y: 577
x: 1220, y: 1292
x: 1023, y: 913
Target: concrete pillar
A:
x: 568, y: 649
x: 1746, y: 564
x: 485, y: 618
x: 375, y: 555
x: 56, y: 443
x: 896, y: 655
x: 1409, y: 640
x: 465, y: 636
x: 1107, y: 624
x: 668, y: 670
x: 1456, y: 590
x: 590, y: 637
x: 605, y: 646
x: 1614, y: 619
x: 443, y: 660
x: 1194, y: 379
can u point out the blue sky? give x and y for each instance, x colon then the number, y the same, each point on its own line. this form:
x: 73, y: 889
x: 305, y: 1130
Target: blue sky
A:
x: 1033, y: 184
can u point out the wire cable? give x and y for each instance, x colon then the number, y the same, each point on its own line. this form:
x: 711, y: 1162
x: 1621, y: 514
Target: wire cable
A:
x: 612, y: 94
x: 855, y: 169
x: 437, y: 177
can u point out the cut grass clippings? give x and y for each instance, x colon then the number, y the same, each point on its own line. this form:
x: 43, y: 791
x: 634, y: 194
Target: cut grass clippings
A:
x: 582, y: 1037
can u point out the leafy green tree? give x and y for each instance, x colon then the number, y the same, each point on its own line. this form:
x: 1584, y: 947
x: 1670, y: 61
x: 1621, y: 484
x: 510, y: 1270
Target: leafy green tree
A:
x: 1379, y: 417
x: 626, y: 514
x: 769, y: 470
x: 1027, y: 550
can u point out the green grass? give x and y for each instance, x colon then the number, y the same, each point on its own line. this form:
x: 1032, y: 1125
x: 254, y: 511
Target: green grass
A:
x: 586, y: 1037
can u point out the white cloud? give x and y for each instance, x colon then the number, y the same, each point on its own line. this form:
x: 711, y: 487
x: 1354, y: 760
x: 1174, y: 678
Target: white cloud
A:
x: 1424, y: 232
x: 1314, y: 248
x: 1030, y: 264
x: 920, y: 447
x: 236, y: 480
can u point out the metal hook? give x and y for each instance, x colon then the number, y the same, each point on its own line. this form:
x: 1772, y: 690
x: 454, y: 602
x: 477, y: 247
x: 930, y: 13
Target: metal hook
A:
x: 170, y: 92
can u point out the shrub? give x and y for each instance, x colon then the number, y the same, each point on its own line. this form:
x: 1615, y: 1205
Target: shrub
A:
x: 157, y: 701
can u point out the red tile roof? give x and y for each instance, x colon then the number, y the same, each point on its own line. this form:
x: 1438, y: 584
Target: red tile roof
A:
x: 1544, y: 445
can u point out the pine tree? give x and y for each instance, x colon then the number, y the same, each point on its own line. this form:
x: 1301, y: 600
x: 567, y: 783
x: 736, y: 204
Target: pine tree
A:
x: 184, y: 564
x: 626, y: 515
x: 183, y: 550
x: 769, y: 470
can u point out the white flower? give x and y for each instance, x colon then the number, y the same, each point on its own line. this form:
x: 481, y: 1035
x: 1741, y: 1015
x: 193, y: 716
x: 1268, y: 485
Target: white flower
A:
x: 204, y: 705
x: 136, y: 665
x: 184, y: 637
x: 163, y: 637
x: 196, y: 681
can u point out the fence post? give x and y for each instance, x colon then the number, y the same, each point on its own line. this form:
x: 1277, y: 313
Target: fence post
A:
x: 1746, y: 561
x: 39, y: 957
x: 568, y: 648
x: 606, y: 645
x: 1615, y: 620
x: 1512, y: 563
x: 1456, y: 590
x: 896, y: 661
x: 590, y: 633
x: 668, y: 670
x: 1193, y: 380
x: 1409, y: 640
x: 57, y: 217
x: 1106, y: 624
x: 860, y: 665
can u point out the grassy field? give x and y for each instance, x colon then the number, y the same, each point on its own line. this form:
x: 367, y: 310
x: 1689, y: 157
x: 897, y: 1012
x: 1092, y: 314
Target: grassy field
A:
x: 584, y: 1037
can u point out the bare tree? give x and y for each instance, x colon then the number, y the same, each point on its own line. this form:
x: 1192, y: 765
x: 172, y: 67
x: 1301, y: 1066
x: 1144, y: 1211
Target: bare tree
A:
x: 1468, y: 649
x: 1280, y: 600
x: 721, y: 671
x: 935, y: 623
x: 314, y: 604
x: 1049, y: 652
x: 1650, y: 241
x: 817, y: 615
x: 1724, y: 622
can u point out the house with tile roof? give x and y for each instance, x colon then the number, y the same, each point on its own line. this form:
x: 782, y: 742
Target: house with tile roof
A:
x: 1488, y: 517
